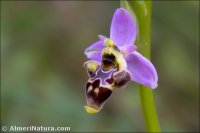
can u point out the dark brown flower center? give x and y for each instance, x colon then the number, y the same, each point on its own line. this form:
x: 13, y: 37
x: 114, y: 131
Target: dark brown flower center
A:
x: 108, y: 61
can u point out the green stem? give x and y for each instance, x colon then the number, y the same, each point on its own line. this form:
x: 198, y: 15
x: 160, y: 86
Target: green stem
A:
x: 141, y: 12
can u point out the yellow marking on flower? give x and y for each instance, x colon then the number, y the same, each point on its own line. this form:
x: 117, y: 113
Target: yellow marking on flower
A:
x: 108, y: 42
x: 92, y: 66
x: 89, y: 89
x: 120, y: 60
x: 91, y: 110
x: 96, y: 91
x: 110, y: 87
x: 119, y: 57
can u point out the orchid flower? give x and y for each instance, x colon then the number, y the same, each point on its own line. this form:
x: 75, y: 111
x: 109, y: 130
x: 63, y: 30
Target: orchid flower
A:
x: 114, y: 61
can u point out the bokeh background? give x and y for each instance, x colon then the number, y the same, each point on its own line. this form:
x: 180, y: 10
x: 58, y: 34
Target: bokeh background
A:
x: 42, y: 74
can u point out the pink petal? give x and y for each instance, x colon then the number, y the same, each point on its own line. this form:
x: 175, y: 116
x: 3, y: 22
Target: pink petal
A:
x: 123, y: 29
x: 94, y: 51
x: 127, y: 49
x: 142, y: 70
x: 102, y: 37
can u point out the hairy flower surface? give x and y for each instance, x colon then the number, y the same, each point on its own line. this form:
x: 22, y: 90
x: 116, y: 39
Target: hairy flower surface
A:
x: 114, y: 61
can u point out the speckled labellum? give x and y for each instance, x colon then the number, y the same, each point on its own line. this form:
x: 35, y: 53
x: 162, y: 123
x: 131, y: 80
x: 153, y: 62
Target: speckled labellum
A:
x: 103, y: 78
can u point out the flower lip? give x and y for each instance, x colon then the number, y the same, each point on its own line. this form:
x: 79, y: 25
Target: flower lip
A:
x: 97, y: 97
x: 97, y: 93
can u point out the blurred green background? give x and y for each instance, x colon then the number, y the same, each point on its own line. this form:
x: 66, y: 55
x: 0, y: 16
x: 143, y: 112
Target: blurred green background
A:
x: 42, y: 74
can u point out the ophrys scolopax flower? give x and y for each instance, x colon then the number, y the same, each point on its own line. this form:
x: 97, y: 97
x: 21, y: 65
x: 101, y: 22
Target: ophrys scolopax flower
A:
x: 114, y: 61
